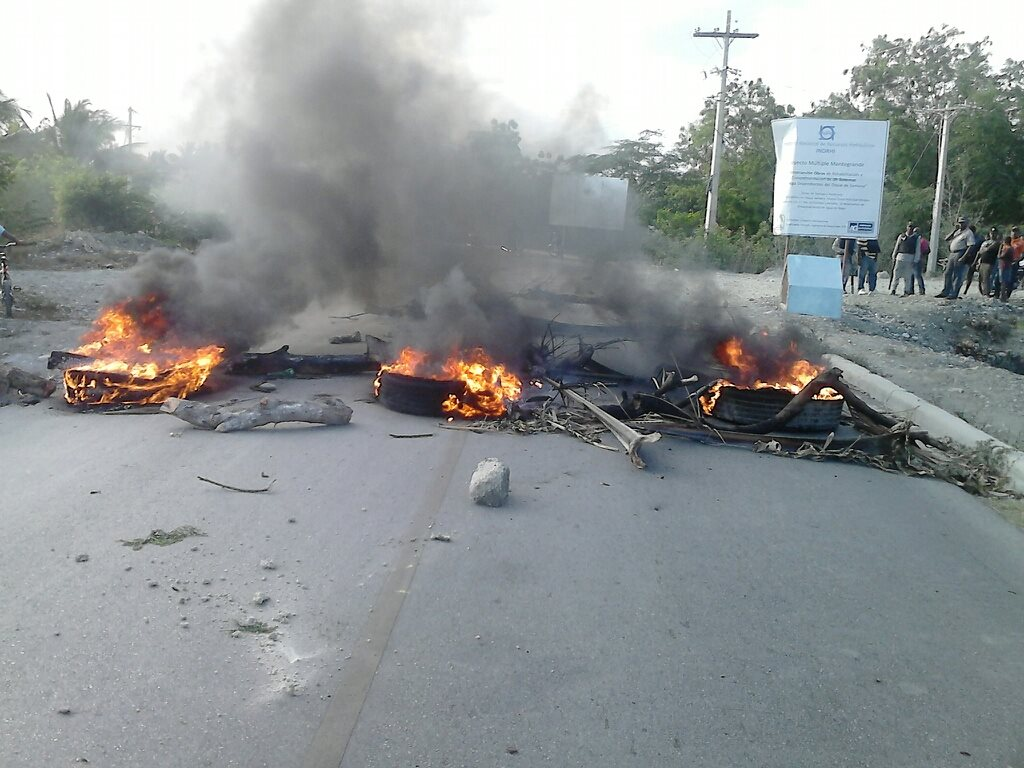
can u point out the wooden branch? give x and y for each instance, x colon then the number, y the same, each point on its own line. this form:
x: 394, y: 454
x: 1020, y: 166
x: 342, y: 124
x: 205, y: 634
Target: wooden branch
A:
x: 234, y: 488
x: 856, y: 404
x: 322, y: 409
x: 631, y: 439
x: 670, y: 381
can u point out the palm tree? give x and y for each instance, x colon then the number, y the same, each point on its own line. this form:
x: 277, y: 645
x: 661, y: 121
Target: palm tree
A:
x: 12, y: 117
x: 82, y: 132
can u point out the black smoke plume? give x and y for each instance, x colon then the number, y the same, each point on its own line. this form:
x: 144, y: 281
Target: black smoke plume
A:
x: 347, y: 171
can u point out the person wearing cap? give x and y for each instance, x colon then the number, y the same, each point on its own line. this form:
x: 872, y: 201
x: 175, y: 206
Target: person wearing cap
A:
x: 905, y: 254
x: 987, y: 254
x: 971, y: 261
x: 960, y: 240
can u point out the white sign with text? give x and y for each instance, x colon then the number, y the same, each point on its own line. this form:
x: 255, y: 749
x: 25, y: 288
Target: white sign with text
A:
x: 829, y: 176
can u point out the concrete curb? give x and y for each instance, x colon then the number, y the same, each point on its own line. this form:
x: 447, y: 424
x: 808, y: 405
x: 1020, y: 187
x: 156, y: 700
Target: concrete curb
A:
x: 903, y: 404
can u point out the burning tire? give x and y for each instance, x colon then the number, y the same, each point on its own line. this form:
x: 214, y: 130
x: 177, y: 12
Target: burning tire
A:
x: 751, y: 406
x: 417, y: 396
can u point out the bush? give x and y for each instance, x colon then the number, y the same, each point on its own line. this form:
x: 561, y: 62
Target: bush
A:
x: 89, y: 200
x: 730, y: 251
x: 27, y: 203
x: 187, y: 229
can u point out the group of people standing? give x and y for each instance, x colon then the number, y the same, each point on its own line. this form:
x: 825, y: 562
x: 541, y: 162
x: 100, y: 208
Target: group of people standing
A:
x: 994, y: 260
x: 860, y: 261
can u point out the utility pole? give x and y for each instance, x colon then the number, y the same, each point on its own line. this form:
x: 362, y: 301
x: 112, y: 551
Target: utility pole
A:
x: 948, y: 113
x: 131, y: 127
x: 711, y: 214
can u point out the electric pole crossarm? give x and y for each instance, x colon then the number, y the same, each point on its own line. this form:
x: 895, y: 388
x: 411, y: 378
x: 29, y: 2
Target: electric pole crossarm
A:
x: 733, y: 35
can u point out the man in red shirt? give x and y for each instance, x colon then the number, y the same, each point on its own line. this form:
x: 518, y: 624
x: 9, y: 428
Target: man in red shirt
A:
x: 1017, y: 243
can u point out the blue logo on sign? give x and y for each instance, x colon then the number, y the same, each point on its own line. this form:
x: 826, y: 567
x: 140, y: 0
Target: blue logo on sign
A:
x: 860, y: 226
x: 826, y: 132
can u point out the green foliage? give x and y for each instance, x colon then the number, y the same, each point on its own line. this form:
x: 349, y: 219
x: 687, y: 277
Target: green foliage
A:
x: 82, y: 132
x: 909, y: 82
x: 748, y: 154
x: 12, y: 117
x: 730, y: 251
x: 89, y: 200
x: 68, y: 170
x: 28, y: 202
x: 738, y: 252
x: 650, y: 170
x: 186, y: 229
x: 7, y: 166
x: 682, y: 209
x: 904, y: 81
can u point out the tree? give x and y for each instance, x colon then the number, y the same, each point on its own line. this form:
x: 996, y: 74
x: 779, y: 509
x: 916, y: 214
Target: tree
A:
x: 906, y: 77
x: 82, y: 132
x: 12, y: 117
x: 909, y: 83
x: 748, y: 159
x: 644, y: 162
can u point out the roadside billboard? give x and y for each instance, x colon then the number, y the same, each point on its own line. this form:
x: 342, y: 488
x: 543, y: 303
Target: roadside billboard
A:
x: 829, y: 176
x: 592, y: 202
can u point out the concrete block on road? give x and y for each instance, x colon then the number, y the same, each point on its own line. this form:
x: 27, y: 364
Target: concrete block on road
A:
x: 489, y: 485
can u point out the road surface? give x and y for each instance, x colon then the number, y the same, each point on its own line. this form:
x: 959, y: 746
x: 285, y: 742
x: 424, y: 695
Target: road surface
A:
x: 721, y: 608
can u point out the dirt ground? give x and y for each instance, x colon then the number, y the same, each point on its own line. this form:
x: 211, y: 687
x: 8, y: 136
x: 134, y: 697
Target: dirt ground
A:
x: 960, y: 355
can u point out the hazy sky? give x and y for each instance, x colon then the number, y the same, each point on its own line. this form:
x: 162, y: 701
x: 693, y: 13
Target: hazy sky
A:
x: 635, y: 66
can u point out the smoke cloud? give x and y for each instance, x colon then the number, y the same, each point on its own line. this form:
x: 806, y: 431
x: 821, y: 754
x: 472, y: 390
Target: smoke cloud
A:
x: 346, y: 173
x: 343, y: 170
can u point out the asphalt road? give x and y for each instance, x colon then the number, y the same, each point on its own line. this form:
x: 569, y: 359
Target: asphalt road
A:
x: 720, y: 608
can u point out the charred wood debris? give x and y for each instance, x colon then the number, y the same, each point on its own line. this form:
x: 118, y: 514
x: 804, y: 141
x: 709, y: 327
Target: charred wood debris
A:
x: 578, y: 396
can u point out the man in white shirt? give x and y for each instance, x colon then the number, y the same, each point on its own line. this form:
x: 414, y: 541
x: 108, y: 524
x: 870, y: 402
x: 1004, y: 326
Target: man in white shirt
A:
x: 960, y: 241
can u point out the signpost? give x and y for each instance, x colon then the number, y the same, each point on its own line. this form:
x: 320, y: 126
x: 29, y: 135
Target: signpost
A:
x: 581, y: 202
x: 829, y: 176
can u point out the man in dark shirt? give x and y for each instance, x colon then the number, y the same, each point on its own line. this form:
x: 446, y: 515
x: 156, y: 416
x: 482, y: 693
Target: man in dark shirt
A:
x: 971, y: 260
x: 987, y: 254
x: 905, y: 254
x: 868, y: 251
x: 849, y: 257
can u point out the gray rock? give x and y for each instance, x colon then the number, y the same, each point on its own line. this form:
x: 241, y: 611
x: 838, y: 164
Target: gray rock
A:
x: 490, y: 483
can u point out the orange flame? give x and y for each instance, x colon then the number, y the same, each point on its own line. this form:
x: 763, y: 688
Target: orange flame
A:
x: 488, y: 385
x: 136, y: 359
x: 790, y: 378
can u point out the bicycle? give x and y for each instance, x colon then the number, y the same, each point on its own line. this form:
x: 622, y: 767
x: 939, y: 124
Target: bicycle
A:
x: 6, y: 283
